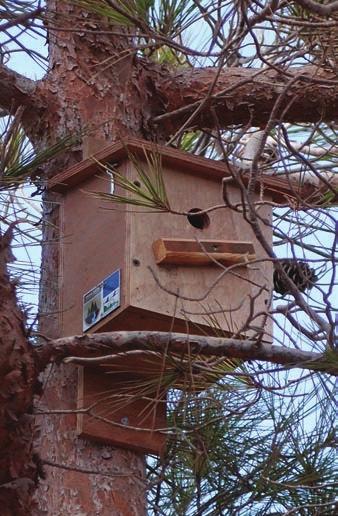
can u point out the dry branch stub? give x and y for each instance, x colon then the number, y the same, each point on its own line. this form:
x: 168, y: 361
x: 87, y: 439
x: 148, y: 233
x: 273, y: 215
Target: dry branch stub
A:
x: 127, y: 268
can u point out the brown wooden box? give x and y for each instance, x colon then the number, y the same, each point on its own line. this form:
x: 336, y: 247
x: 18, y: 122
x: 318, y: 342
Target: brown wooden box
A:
x: 98, y: 238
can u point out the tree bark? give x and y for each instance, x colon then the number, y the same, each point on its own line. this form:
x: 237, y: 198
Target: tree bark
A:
x: 104, y: 103
x: 167, y: 98
x: 17, y: 90
x: 245, y: 96
x: 19, y: 464
x: 98, y: 87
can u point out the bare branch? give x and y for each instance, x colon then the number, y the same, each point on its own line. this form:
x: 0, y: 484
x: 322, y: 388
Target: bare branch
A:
x: 21, y: 19
x: 251, y: 147
x: 316, y: 8
x: 120, y: 342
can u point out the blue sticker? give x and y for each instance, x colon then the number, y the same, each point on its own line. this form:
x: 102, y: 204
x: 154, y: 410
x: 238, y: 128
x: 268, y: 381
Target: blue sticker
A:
x: 111, y: 292
x: 102, y: 300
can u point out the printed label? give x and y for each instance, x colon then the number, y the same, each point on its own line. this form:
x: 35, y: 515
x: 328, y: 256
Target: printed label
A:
x: 101, y: 300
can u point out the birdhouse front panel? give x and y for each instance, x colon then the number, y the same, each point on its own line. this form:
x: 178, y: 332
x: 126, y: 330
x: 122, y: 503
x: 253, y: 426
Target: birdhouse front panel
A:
x: 195, y: 288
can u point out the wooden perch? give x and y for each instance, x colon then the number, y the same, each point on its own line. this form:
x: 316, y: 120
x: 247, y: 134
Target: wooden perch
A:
x: 182, y: 251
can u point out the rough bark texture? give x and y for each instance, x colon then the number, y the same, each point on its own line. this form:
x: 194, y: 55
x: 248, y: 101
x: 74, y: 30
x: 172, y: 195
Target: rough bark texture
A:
x: 19, y: 465
x: 105, y: 102
x: 94, y: 85
x: 138, y: 97
x: 242, y: 96
x: 16, y: 90
x: 69, y: 491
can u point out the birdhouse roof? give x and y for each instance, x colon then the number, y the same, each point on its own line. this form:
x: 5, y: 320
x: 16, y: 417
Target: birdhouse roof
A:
x: 281, y: 190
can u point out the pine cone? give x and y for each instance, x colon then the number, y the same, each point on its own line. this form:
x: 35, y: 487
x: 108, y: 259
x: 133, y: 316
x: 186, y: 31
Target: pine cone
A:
x: 299, y: 272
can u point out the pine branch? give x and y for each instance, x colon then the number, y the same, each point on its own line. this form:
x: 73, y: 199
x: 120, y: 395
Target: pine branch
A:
x: 21, y: 19
x: 80, y: 346
x: 17, y: 90
x: 245, y: 95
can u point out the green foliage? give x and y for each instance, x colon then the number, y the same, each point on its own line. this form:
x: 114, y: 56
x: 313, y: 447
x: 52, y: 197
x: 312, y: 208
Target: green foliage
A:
x: 329, y: 361
x: 168, y: 19
x: 329, y: 198
x: 167, y: 55
x: 189, y: 140
x: 18, y: 160
x: 122, y: 14
x: 240, y: 452
x: 148, y: 191
x: 242, y: 439
x: 12, y: 146
x: 169, y: 16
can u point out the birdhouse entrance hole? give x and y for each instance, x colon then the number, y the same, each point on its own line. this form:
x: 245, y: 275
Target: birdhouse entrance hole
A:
x: 198, y: 220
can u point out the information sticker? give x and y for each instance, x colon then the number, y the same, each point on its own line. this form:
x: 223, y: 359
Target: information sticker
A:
x: 102, y: 300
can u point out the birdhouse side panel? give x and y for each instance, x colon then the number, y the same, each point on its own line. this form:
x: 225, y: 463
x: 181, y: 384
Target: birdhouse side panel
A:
x: 92, y: 248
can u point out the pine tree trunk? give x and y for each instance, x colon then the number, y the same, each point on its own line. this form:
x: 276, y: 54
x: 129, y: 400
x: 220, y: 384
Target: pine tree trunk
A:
x: 19, y: 467
x: 95, y: 86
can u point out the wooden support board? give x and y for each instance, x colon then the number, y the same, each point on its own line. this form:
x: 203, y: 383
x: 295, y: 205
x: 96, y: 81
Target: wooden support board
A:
x: 180, y: 251
x: 119, y: 415
x: 281, y: 189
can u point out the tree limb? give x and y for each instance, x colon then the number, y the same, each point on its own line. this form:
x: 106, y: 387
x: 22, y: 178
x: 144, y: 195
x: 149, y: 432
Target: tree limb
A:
x: 102, y: 344
x: 17, y: 90
x: 245, y: 95
x: 316, y: 8
x: 21, y: 19
x: 18, y: 377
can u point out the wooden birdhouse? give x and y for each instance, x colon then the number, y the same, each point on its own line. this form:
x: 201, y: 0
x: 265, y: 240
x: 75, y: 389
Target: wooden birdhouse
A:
x: 127, y: 268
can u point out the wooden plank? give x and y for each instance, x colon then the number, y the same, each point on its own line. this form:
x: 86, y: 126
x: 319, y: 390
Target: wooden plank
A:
x: 280, y: 189
x: 133, y: 318
x: 182, y: 251
x: 130, y: 421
